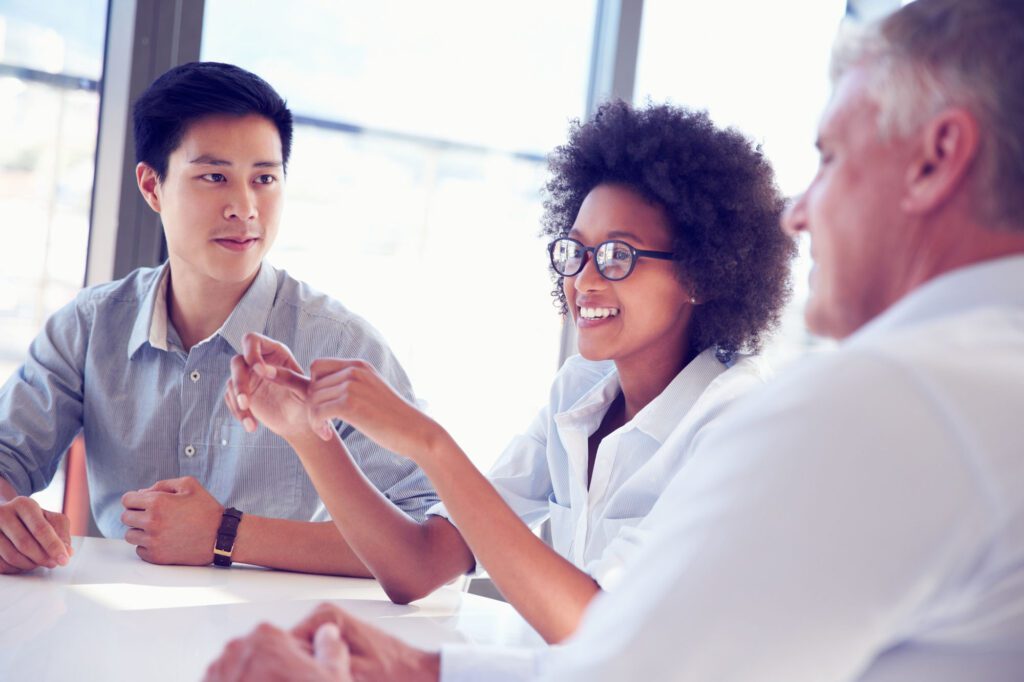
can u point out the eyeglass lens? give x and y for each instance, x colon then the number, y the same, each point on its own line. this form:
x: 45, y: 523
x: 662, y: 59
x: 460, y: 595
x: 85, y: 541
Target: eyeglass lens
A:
x: 614, y: 259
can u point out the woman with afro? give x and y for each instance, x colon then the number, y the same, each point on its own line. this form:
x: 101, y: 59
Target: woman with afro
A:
x: 667, y: 254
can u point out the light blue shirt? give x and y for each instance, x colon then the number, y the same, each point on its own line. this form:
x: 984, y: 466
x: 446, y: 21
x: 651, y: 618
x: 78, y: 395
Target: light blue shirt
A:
x: 543, y: 473
x: 110, y: 364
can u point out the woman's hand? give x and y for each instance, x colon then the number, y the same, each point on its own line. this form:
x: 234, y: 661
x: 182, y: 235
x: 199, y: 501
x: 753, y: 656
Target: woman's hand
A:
x: 351, y: 390
x: 253, y: 398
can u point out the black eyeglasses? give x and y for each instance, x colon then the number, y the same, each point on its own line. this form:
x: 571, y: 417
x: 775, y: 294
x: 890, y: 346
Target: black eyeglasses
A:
x: 615, y: 259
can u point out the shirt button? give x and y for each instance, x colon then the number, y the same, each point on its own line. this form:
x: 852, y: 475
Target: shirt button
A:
x: 189, y: 451
x: 194, y: 376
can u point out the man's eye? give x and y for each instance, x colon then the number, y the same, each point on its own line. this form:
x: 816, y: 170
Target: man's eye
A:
x: 214, y: 177
x: 266, y: 179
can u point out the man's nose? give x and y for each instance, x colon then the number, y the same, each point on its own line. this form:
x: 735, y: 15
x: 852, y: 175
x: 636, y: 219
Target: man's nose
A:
x: 242, y: 205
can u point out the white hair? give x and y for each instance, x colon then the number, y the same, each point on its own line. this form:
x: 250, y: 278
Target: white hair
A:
x: 934, y: 54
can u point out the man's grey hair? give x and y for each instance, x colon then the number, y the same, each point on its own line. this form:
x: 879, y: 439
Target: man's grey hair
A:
x: 933, y: 54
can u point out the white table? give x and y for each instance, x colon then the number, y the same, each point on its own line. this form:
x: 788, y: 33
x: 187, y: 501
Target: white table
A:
x: 108, y: 615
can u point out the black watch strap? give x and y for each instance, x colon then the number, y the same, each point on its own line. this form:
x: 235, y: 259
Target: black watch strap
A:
x: 226, y: 536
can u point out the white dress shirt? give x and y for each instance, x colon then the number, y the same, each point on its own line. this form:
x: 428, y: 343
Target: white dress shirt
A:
x: 542, y: 474
x: 861, y: 518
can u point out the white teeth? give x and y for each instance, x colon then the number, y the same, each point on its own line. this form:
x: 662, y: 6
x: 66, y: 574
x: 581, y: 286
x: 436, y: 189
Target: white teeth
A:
x: 597, y: 313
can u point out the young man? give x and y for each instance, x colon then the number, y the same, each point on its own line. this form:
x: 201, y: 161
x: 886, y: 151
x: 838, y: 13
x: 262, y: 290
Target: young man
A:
x: 861, y: 518
x: 140, y: 364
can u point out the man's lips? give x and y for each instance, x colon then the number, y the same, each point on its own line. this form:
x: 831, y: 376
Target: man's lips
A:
x: 237, y: 244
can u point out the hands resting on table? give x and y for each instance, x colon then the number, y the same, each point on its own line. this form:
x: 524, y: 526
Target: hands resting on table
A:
x: 172, y: 522
x: 329, y: 645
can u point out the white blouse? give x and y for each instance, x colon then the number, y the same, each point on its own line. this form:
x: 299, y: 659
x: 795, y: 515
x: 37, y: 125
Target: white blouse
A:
x: 542, y: 474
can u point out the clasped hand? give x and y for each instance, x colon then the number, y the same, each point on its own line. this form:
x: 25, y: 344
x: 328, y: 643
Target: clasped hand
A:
x: 267, y: 385
x: 31, y: 536
x: 328, y: 645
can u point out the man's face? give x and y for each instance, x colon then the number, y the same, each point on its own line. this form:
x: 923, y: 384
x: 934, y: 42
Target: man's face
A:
x: 859, y: 239
x: 220, y: 202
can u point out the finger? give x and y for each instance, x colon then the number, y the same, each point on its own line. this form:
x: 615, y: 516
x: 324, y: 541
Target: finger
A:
x: 137, y: 537
x: 329, y: 649
x: 61, y: 525
x: 228, y: 667
x: 271, y: 353
x: 252, y: 348
x: 296, y: 382
x: 45, y: 536
x: 10, y: 555
x: 325, y: 366
x: 344, y: 375
x: 134, y: 518
x: 243, y: 416
x: 324, y: 613
x: 138, y: 499
x: 229, y: 400
x: 172, y: 485
x: 241, y: 377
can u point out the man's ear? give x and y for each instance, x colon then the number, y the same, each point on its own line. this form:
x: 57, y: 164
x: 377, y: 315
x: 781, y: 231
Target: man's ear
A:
x: 948, y: 148
x: 148, y: 182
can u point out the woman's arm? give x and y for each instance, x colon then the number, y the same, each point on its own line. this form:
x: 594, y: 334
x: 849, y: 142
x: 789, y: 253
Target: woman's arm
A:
x: 409, y: 559
x: 545, y: 588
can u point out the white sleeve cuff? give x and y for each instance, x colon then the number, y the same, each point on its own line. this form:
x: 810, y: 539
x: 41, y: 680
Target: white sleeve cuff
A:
x: 470, y: 663
x: 439, y: 510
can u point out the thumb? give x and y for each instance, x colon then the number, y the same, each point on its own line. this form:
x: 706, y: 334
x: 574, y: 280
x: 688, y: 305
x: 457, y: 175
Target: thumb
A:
x: 170, y: 485
x: 329, y: 650
x: 61, y: 524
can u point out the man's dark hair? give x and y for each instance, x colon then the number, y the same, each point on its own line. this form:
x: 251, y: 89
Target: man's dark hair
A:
x: 719, y: 194
x: 177, y: 99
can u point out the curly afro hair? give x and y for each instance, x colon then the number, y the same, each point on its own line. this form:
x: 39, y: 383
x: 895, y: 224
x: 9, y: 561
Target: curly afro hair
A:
x: 718, y: 192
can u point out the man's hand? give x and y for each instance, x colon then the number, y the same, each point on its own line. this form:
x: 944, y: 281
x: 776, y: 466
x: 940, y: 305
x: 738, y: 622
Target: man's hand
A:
x: 172, y: 522
x: 253, y: 399
x: 373, y: 654
x: 31, y: 537
x: 269, y: 654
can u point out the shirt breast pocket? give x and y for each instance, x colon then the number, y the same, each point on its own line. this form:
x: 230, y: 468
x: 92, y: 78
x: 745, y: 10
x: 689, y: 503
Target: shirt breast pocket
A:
x: 256, y: 472
x: 563, y: 527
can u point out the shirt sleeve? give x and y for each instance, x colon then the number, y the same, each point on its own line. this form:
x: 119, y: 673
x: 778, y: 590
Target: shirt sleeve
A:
x: 469, y: 663
x: 41, y: 403
x: 796, y: 542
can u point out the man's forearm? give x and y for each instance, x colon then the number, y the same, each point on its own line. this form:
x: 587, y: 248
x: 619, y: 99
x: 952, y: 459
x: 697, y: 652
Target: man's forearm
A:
x: 296, y: 546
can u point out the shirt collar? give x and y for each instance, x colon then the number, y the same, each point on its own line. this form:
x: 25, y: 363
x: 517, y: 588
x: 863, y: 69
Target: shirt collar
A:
x: 990, y: 283
x: 251, y: 314
x: 253, y: 311
x: 660, y: 416
x: 151, y: 320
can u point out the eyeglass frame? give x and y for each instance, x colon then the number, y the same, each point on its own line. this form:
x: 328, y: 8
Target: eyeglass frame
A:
x: 636, y: 254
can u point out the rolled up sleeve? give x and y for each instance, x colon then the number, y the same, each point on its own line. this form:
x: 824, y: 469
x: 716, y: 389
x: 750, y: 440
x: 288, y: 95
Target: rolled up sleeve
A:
x: 41, y: 403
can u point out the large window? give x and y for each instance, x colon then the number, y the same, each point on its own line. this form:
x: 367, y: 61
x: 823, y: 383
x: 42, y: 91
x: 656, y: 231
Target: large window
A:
x: 50, y: 64
x: 414, y: 187
x: 761, y: 67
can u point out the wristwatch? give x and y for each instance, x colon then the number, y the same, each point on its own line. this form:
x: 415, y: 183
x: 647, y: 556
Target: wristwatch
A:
x: 226, y: 537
